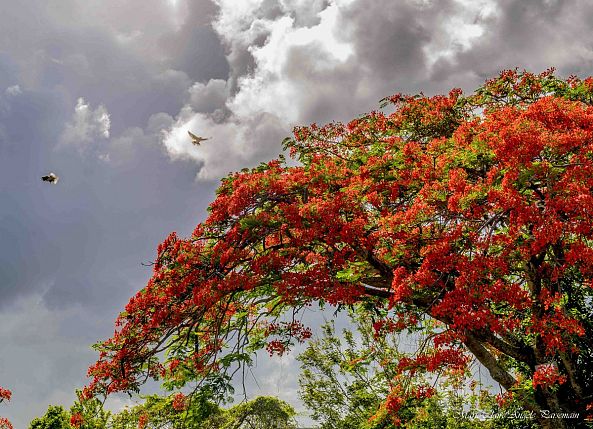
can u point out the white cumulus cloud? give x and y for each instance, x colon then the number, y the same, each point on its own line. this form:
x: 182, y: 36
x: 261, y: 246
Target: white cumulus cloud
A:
x: 13, y: 90
x: 86, y: 126
x: 461, y: 28
x: 232, y: 144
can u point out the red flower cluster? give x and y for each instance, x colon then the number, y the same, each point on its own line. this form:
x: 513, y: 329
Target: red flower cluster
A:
x: 5, y: 394
x: 439, y: 359
x: 276, y: 347
x: 179, y: 402
x: 142, y: 421
x: 546, y: 375
x: 76, y: 420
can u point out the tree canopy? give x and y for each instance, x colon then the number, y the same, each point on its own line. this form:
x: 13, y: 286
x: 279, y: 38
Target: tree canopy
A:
x: 471, y: 212
x: 171, y: 412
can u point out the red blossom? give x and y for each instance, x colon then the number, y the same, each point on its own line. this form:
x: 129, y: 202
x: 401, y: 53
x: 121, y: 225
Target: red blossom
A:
x: 5, y: 394
x: 179, y: 402
x: 546, y: 375
x: 76, y: 420
x: 142, y: 421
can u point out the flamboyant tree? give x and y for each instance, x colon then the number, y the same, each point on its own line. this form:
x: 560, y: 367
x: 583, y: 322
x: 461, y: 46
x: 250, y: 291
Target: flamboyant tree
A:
x: 474, y: 213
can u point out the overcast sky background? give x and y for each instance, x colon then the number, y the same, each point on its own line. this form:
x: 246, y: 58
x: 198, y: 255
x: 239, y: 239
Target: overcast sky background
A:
x: 102, y: 92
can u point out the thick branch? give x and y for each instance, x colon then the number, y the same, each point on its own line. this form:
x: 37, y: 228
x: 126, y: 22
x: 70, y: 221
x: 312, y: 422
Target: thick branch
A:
x: 377, y: 292
x: 522, y: 354
x: 497, y: 372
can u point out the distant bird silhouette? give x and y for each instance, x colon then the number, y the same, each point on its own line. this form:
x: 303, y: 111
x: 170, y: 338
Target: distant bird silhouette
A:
x: 51, y: 178
x: 196, y: 139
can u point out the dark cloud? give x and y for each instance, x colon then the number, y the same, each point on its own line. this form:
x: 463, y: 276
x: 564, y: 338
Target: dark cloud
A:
x: 135, y: 63
x: 201, y: 55
x: 389, y: 44
x: 532, y: 35
x: 209, y: 97
x: 111, y: 216
x: 9, y: 71
x: 44, y: 356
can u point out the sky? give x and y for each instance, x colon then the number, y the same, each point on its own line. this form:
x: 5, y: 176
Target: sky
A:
x: 102, y: 92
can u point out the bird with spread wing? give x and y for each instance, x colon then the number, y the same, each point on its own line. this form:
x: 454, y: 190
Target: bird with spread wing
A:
x: 51, y: 178
x: 196, y: 139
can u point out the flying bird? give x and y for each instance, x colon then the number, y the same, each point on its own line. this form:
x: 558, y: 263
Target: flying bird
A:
x: 196, y: 139
x: 51, y: 178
